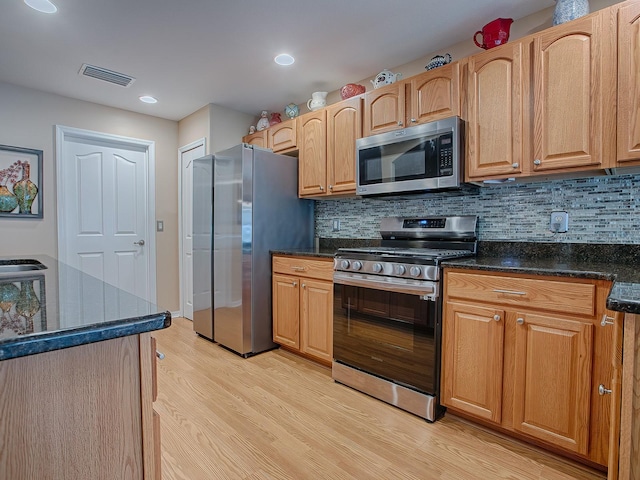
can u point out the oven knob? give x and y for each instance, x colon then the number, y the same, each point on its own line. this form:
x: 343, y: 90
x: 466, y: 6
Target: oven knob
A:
x: 415, y: 271
x: 344, y: 264
x: 400, y: 269
x: 356, y: 265
x: 377, y: 268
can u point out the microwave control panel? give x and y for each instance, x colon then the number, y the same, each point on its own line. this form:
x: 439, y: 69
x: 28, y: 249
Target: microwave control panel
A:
x: 445, y: 154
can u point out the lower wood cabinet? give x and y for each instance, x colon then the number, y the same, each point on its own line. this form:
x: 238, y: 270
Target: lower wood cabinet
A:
x: 527, y: 354
x: 303, y: 306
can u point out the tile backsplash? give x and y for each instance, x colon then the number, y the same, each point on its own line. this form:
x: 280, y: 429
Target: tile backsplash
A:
x: 603, y: 209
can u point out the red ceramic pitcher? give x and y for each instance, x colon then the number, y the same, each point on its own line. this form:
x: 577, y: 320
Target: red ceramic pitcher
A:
x: 494, y: 33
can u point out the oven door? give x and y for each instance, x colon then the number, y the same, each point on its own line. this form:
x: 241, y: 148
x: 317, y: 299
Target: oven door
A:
x: 391, y: 331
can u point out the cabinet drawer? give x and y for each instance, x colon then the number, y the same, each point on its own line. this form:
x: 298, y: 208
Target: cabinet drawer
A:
x: 304, y: 267
x: 544, y: 293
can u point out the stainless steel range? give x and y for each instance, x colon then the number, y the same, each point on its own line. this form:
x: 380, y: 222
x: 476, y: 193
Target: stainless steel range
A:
x: 388, y: 310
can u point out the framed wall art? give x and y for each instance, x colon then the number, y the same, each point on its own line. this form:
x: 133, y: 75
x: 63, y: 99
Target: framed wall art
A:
x: 20, y: 182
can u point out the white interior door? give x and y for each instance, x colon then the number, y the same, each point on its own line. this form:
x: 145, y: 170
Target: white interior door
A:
x: 187, y: 154
x: 106, y: 209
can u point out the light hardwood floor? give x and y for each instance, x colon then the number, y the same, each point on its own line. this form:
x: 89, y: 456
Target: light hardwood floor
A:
x: 277, y: 416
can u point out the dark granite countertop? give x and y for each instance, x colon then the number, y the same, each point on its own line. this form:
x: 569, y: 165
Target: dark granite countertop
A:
x: 59, y: 307
x: 617, y: 263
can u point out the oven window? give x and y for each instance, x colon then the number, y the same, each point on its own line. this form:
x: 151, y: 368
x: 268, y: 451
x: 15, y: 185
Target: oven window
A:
x: 391, y: 335
x: 406, y: 160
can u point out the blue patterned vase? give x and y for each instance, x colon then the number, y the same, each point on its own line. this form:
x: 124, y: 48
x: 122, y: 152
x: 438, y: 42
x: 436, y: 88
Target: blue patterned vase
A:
x: 567, y: 10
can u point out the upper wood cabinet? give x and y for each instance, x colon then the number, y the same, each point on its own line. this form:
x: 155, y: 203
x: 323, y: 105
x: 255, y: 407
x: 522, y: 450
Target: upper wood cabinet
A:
x: 629, y: 84
x: 435, y: 94
x: 384, y: 109
x: 573, y: 69
x: 258, y: 139
x: 312, y: 148
x: 422, y: 98
x: 327, y: 149
x: 281, y: 137
x: 496, y: 90
x: 344, y: 127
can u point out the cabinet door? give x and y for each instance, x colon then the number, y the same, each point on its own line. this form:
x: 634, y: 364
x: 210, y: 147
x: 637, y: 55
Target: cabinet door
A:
x: 312, y: 159
x: 258, y: 139
x: 435, y: 94
x: 286, y: 308
x: 316, y: 319
x: 574, y: 105
x: 552, y: 384
x: 384, y: 109
x: 344, y: 126
x: 629, y: 83
x: 281, y: 137
x: 472, y: 346
x: 496, y: 93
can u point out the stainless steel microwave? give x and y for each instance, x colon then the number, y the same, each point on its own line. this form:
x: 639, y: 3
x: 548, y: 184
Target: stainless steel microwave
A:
x: 415, y: 159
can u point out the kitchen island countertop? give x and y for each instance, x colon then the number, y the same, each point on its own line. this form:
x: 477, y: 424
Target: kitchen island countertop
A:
x: 60, y: 307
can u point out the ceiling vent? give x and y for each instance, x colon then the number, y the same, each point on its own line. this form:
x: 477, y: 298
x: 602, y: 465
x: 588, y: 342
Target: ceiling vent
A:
x: 106, y: 75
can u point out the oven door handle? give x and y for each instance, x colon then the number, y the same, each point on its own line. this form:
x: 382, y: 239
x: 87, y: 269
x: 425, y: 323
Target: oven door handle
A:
x: 426, y: 291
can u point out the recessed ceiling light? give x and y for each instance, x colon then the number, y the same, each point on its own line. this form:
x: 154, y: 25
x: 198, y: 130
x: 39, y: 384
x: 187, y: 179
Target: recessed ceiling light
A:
x: 148, y: 99
x: 284, y: 59
x: 44, y: 6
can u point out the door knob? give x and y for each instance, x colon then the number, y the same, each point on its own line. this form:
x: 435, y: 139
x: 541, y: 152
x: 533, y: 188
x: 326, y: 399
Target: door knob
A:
x: 139, y: 243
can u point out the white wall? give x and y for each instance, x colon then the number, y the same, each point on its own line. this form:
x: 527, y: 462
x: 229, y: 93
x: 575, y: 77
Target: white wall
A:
x: 28, y: 119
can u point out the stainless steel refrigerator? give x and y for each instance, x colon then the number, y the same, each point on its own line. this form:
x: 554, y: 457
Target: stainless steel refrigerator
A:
x: 245, y: 203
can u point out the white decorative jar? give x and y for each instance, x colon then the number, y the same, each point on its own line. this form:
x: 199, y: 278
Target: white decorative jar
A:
x: 567, y: 10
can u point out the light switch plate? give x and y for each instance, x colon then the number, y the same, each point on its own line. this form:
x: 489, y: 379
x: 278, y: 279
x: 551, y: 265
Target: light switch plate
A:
x: 159, y: 226
x: 336, y: 225
x: 559, y: 222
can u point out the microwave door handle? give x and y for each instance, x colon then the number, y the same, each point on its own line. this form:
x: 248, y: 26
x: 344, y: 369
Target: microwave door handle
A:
x: 428, y: 291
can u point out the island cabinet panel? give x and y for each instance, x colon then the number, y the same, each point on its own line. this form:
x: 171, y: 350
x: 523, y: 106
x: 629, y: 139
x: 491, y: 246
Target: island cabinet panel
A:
x: 496, y: 88
x: 303, y: 306
x: 629, y: 83
x: 526, y: 355
x: 473, y: 356
x: 574, y: 105
x: 312, y: 148
x: 74, y: 414
x: 552, y: 382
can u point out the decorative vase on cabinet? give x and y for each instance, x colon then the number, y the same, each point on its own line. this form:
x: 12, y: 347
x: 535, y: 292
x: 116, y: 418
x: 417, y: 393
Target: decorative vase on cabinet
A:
x: 567, y: 10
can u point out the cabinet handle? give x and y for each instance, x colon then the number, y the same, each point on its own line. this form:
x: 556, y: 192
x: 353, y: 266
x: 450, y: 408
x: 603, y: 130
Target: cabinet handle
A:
x: 520, y: 321
x: 331, y: 187
x: 603, y: 391
x: 295, y: 284
x: 321, y: 188
x: 515, y: 165
x: 399, y: 123
x: 537, y: 161
x: 413, y: 120
x: 605, y: 320
x: 298, y: 269
x: 160, y: 355
x: 509, y: 292
x: 496, y: 317
x: 304, y: 285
